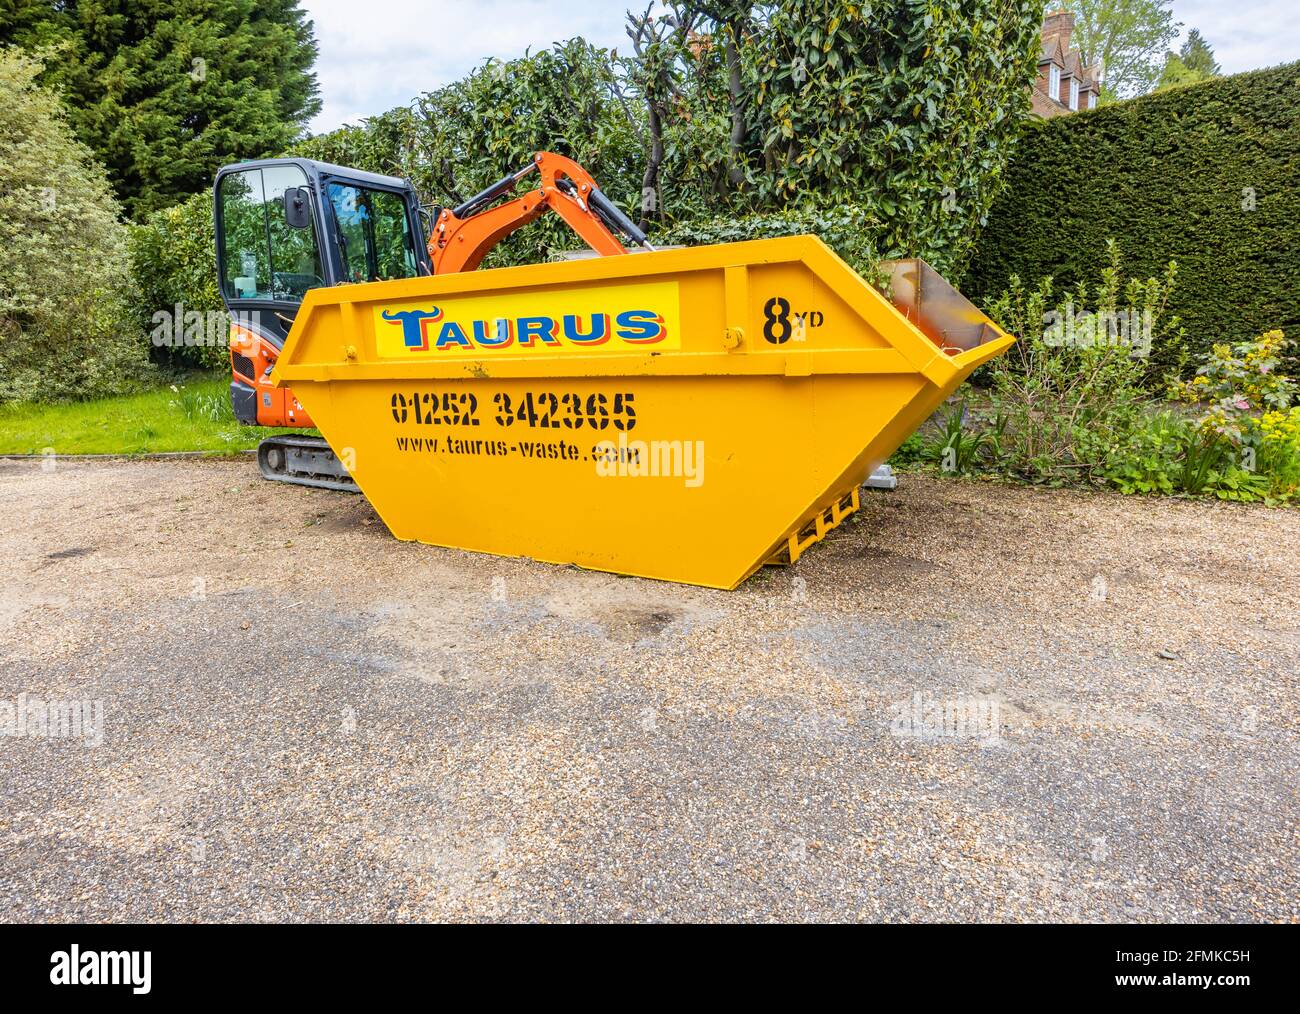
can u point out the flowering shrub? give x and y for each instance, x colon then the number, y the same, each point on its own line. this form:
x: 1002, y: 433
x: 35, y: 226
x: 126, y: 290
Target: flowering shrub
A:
x: 1237, y: 383
x: 1242, y: 441
x: 1279, y: 451
x: 1070, y: 403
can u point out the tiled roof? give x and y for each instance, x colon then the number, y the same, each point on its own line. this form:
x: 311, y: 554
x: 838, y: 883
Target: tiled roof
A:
x: 1041, y: 105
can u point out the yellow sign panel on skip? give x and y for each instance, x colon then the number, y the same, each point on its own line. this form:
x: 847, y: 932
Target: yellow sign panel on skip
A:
x: 639, y: 317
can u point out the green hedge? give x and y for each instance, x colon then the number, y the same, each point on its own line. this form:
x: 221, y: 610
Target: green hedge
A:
x: 1170, y: 175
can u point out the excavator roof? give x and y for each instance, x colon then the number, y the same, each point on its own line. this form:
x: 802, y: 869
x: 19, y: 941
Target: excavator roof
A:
x: 315, y: 169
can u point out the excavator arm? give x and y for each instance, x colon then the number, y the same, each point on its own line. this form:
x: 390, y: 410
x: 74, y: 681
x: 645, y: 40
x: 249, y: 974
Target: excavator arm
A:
x: 462, y: 236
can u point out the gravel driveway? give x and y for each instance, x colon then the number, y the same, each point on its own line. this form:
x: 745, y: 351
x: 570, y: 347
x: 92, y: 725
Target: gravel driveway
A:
x: 971, y: 702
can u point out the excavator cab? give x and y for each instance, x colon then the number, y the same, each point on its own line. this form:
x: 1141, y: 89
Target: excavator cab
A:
x: 285, y: 226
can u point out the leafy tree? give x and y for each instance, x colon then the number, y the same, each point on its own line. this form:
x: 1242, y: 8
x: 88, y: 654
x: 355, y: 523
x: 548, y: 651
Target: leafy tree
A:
x: 1197, y: 55
x: 66, y: 321
x: 905, y: 111
x: 1193, y: 62
x: 1129, y: 37
x: 164, y: 91
x: 1176, y: 74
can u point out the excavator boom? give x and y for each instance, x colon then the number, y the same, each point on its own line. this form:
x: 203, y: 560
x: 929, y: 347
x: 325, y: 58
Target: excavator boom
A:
x: 463, y: 236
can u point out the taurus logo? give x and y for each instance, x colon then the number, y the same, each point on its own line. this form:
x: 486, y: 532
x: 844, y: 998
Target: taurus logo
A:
x: 415, y: 325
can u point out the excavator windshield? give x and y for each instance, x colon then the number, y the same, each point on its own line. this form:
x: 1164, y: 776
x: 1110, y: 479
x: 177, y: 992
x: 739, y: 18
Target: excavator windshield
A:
x: 264, y: 256
x: 373, y: 233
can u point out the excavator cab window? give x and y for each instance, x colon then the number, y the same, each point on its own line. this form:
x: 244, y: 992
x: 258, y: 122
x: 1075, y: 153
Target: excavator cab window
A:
x: 373, y: 232
x: 267, y: 253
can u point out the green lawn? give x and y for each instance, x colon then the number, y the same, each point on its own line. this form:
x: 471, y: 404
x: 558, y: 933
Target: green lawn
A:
x: 189, y: 415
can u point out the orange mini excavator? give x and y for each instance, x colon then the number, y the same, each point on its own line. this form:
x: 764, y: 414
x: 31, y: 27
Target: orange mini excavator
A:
x: 287, y: 225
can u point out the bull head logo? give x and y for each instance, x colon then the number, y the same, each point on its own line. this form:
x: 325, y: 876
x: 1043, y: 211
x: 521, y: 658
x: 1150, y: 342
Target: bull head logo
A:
x: 415, y: 325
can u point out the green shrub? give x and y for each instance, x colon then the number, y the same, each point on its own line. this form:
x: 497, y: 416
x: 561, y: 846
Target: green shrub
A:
x: 66, y: 322
x: 174, y: 261
x: 1241, y: 380
x: 1075, y: 382
x: 846, y: 230
x: 1204, y: 174
x: 1279, y: 451
x: 1164, y: 452
x: 1082, y: 417
x: 1245, y: 425
x: 908, y: 110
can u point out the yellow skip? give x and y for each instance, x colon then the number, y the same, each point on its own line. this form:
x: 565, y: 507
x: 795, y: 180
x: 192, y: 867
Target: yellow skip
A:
x: 687, y: 415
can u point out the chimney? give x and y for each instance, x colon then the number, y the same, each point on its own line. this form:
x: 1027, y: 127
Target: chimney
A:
x: 1059, y: 23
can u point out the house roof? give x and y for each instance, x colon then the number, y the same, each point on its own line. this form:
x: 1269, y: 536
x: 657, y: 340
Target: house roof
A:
x: 1054, y: 48
x: 1041, y: 105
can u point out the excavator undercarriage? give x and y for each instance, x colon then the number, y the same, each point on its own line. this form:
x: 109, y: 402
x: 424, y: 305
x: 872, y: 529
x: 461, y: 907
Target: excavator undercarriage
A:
x: 303, y: 461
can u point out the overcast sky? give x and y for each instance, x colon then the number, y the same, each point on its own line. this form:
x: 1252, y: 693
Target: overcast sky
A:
x: 379, y: 54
